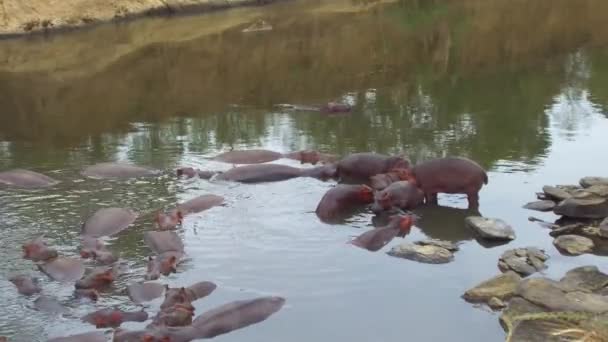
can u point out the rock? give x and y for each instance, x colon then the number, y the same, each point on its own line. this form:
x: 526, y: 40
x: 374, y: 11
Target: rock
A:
x: 490, y: 229
x: 428, y: 254
x: 518, y: 306
x: 599, y: 190
x: 590, y: 207
x: 574, y: 244
x: 523, y: 261
x: 556, y: 193
x: 496, y: 304
x: 502, y: 287
x: 585, y: 279
x: 450, y: 246
x: 545, y: 205
x: 587, y: 182
x: 549, y: 294
x: 604, y: 228
x: 542, y: 196
x: 574, y: 228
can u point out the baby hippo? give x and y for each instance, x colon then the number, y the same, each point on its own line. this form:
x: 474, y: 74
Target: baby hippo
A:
x: 451, y: 175
x: 362, y: 166
x: 106, y: 318
x: 373, y: 240
x: 37, y: 250
x: 341, y: 199
x: 98, y: 278
x: 25, y: 285
x: 382, y: 181
x: 401, y: 195
x: 165, y: 264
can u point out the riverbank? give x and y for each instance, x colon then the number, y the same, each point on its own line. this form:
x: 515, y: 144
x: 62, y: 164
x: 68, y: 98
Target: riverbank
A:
x: 19, y: 18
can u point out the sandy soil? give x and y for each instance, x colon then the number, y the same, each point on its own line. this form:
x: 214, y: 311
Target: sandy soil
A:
x: 23, y: 16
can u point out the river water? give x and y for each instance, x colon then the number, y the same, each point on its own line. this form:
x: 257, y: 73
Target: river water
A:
x: 521, y: 88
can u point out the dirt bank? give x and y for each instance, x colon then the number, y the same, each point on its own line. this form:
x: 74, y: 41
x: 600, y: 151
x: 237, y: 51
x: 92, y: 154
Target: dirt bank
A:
x: 25, y: 16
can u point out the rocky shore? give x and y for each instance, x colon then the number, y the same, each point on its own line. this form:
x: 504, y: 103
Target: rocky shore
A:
x: 19, y: 17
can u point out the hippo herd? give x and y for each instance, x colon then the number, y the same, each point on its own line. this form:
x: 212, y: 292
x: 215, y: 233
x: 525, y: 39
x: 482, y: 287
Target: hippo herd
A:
x: 389, y: 184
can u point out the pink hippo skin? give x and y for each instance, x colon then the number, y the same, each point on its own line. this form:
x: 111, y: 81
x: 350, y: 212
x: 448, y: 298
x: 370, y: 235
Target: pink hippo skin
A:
x: 373, y: 240
x: 381, y: 181
x: 399, y: 195
x: 451, y: 175
x: 342, y: 199
x: 362, y: 166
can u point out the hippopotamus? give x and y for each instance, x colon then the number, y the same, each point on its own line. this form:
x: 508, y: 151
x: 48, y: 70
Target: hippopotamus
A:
x: 373, y: 240
x: 118, y: 171
x: 26, y: 285
x: 311, y: 157
x: 362, y: 166
x: 165, y: 241
x: 88, y: 245
x: 273, y: 173
x: 145, y: 292
x: 190, y: 172
x: 178, y: 315
x: 98, y: 278
x: 26, y: 179
x: 192, y: 206
x: 165, y: 264
x: 254, y: 156
x: 236, y: 315
x: 341, y: 199
x: 188, y: 294
x: 336, y: 107
x: 382, y: 181
x: 106, y: 318
x: 323, y: 173
x: 91, y: 294
x: 108, y: 222
x: 104, y: 257
x: 156, y: 334
x: 37, y: 250
x: 452, y: 175
x: 63, y: 269
x: 95, y: 336
x: 49, y: 305
x: 399, y: 195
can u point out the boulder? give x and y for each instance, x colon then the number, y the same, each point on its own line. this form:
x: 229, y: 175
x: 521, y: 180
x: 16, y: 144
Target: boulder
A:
x: 496, y: 304
x: 523, y: 261
x: 599, y: 190
x: 585, y: 279
x: 490, y: 228
x: 518, y: 306
x: 545, y: 205
x: 592, y: 207
x: 603, y: 228
x: 587, y: 182
x: 573, y: 244
x: 450, y: 246
x: 556, y: 193
x: 502, y: 287
x: 428, y: 254
x: 549, y: 295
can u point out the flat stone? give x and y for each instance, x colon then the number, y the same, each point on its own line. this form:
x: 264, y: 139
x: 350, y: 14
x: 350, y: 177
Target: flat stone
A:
x: 545, y: 205
x: 549, y: 294
x: 593, y: 208
x: 587, y: 182
x: 518, y: 306
x: 574, y: 244
x: 490, y: 228
x: 545, y: 329
x: 496, y: 304
x: 502, y: 287
x: 599, y: 190
x: 428, y: 254
x: 585, y: 279
x: 556, y: 193
x: 450, y: 246
x: 524, y: 261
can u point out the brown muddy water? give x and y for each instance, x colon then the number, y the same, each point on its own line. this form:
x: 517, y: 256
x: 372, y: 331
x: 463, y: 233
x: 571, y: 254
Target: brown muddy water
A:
x: 520, y: 87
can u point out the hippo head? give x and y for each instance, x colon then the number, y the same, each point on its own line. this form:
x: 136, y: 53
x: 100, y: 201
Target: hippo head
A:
x: 402, y: 222
x: 365, y: 194
x: 169, y: 221
x: 397, y: 162
x: 309, y: 157
x: 153, y: 269
x: 168, y: 265
x: 189, y: 172
x: 383, y: 203
x: 176, y: 296
x: 408, y: 175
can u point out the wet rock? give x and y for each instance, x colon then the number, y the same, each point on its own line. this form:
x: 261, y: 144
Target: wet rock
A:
x: 549, y: 294
x: 450, y: 246
x: 490, y: 229
x: 585, y: 278
x: 587, y: 182
x: 145, y: 292
x: 599, y: 190
x: 49, y: 305
x: 496, y: 304
x: 63, y: 269
x: 26, y: 179
x: 108, y: 221
x: 428, y: 254
x: 575, y: 228
x: 95, y: 336
x: 502, y: 287
x: 603, y: 228
x: 574, y: 244
x: 523, y: 261
x: 518, y: 306
x: 545, y: 205
x: 556, y: 193
x: 588, y: 207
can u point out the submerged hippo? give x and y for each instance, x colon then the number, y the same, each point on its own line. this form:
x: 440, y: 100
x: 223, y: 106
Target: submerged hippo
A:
x: 254, y: 156
x: 342, y: 199
x: 273, y: 173
x: 399, y: 195
x: 362, y: 166
x: 165, y: 241
x: 373, y: 240
x: 452, y: 175
x: 95, y: 336
x: 108, y: 221
x: 382, y: 181
x: 145, y: 292
x: 98, y: 278
x: 236, y: 315
x: 26, y: 179
x: 183, y: 295
x: 192, y: 206
x: 178, y: 315
x: 165, y: 264
x: 106, y: 318
x: 118, y: 170
x: 63, y: 269
x: 311, y: 157
x: 49, y: 305
x: 38, y: 250
x: 190, y: 172
x: 26, y: 285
